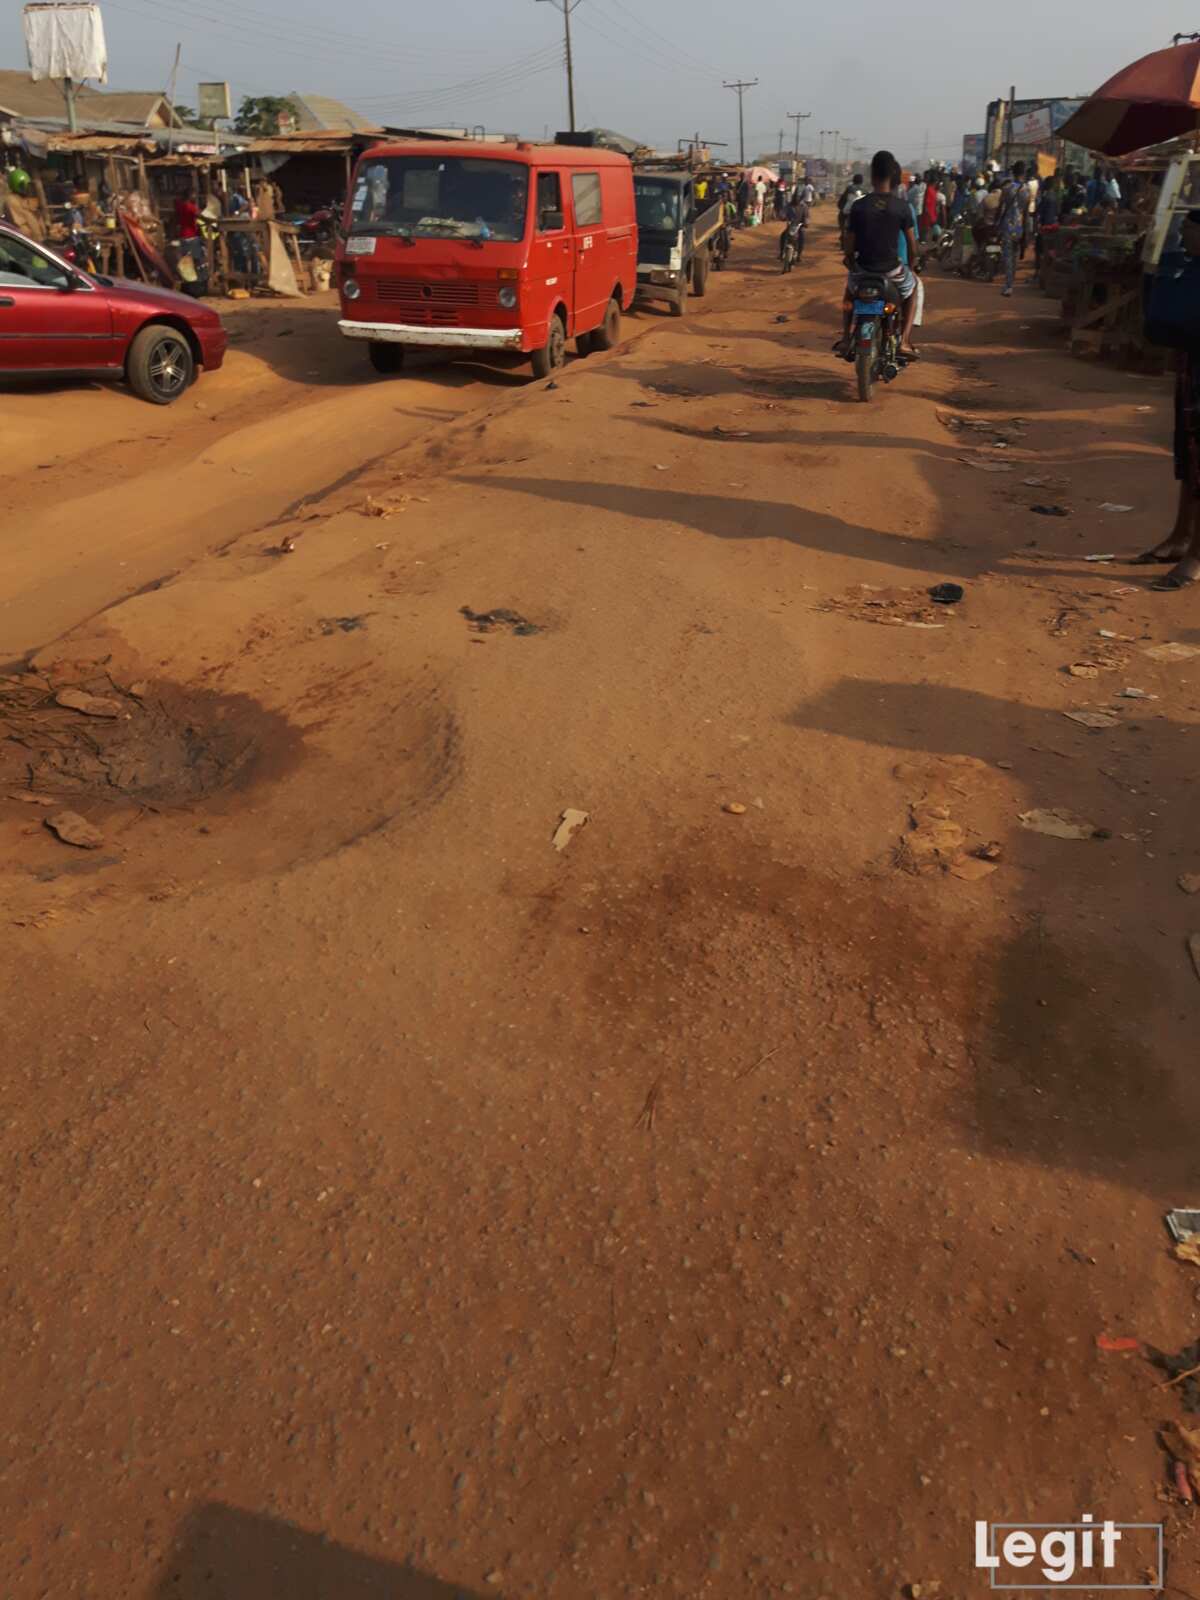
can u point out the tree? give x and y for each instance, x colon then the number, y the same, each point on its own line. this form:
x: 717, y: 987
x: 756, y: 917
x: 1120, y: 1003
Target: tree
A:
x: 261, y: 113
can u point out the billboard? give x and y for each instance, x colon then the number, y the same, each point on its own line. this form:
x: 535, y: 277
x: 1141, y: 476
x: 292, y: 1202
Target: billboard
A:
x: 212, y: 102
x: 1033, y: 127
x: 972, y: 154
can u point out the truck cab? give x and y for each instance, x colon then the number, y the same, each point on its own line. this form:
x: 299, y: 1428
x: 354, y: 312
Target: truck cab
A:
x: 674, y: 237
x: 511, y: 247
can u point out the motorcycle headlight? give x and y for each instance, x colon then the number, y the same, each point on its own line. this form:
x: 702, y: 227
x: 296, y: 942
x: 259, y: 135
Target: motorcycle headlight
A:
x: 351, y: 289
x: 507, y: 297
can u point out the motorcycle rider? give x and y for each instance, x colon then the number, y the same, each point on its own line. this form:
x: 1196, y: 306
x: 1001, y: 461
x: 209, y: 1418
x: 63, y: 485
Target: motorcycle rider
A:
x: 871, y: 234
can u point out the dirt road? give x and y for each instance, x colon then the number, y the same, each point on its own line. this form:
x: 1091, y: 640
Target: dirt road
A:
x: 727, y: 1203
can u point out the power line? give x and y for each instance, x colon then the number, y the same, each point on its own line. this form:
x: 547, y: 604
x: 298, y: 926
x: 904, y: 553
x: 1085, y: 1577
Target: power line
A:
x: 678, y: 55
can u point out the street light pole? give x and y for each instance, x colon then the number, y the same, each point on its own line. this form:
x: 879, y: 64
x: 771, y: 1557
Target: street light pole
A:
x: 566, y: 7
x: 741, y: 86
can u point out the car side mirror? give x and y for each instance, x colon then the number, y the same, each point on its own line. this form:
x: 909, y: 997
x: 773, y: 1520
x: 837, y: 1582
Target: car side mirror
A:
x: 552, y: 221
x: 69, y: 284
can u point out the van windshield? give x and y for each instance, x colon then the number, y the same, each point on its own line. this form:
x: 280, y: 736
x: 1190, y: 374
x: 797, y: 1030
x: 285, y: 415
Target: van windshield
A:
x: 441, y: 197
x: 657, y: 205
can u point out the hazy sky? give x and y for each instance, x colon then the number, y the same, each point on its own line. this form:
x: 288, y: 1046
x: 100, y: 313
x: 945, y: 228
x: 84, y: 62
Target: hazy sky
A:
x: 886, y: 74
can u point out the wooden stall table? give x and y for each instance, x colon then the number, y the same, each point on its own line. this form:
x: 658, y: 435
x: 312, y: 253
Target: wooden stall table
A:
x: 233, y: 266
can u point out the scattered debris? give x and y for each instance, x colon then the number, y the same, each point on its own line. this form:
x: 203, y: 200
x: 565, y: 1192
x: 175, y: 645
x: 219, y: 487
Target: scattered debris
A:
x: 971, y: 868
x: 989, y: 852
x: 1143, y: 408
x: 46, y: 800
x: 71, y: 828
x: 1183, y: 1484
x: 1183, y: 1223
x: 1172, y: 651
x: 1109, y: 506
x: 1109, y: 556
x: 1056, y: 824
x: 734, y: 808
x: 1049, y: 511
x: 553, y: 384
x: 782, y: 318
x: 1193, y: 945
x: 1189, y: 882
x: 330, y: 625
x: 284, y: 548
x: 985, y: 466
x: 935, y: 842
x: 1094, y: 719
x: 1136, y: 694
x: 1035, y: 483
x: 371, y: 507
x: 92, y: 705
x: 731, y: 433
x: 908, y: 608
x: 501, y: 617
x: 1084, y: 669
x: 946, y: 594
x: 1183, y: 1446
x: 1188, y: 1250
x: 1117, y: 1346
x: 570, y: 821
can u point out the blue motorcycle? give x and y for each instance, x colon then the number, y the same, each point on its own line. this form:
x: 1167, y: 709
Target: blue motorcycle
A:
x: 874, y: 342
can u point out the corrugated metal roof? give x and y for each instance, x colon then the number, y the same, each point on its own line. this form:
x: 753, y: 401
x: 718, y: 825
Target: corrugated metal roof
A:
x: 316, y: 112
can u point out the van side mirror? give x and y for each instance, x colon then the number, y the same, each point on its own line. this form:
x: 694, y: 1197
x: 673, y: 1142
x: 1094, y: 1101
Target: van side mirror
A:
x: 551, y: 222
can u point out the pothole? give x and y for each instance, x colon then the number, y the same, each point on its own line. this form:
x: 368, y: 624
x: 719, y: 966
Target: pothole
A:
x: 152, y: 744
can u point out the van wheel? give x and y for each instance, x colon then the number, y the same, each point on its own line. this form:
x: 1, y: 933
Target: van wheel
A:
x: 554, y: 352
x: 585, y: 343
x: 160, y: 364
x: 700, y: 275
x: 608, y: 335
x: 384, y: 356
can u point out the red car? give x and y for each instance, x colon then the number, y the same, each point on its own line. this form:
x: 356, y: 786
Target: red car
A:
x: 58, y: 321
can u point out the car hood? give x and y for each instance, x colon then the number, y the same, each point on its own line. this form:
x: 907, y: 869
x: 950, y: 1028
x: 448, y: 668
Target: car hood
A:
x: 181, y: 304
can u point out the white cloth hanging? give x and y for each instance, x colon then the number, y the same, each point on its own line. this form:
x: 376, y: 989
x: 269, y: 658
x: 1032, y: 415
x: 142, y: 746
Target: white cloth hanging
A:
x: 66, y: 41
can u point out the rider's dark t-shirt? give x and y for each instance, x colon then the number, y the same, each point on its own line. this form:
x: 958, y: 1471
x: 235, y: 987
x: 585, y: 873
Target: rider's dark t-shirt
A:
x: 875, y: 225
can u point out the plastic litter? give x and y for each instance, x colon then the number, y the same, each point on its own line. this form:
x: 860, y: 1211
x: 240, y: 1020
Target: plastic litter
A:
x: 569, y: 823
x: 1056, y: 824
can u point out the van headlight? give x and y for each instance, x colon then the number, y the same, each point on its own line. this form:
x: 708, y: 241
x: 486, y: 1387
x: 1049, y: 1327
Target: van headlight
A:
x: 508, y: 297
x: 351, y: 289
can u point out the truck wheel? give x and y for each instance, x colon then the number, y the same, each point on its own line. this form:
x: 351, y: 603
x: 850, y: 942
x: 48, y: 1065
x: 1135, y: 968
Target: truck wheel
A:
x: 700, y: 274
x: 160, y: 364
x: 678, y: 307
x: 554, y: 352
x: 608, y: 335
x: 384, y: 356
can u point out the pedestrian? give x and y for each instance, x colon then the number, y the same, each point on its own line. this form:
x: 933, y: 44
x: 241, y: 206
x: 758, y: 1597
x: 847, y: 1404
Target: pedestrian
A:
x: 1049, y: 207
x: 1179, y: 327
x: 743, y: 199
x: 760, y: 198
x: 1014, y: 206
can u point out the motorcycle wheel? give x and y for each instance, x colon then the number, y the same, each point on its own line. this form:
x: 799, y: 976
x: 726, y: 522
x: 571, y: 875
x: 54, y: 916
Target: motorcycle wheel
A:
x: 864, y: 363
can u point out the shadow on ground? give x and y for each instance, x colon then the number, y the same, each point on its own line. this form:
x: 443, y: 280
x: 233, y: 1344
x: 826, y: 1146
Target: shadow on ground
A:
x: 222, y: 1553
x: 1068, y: 1069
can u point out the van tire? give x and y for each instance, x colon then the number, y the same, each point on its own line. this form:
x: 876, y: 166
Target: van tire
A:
x: 384, y: 356
x: 585, y: 343
x: 608, y: 335
x: 700, y: 274
x: 554, y: 352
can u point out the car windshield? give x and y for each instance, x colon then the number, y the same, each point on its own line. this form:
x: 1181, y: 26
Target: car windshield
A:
x: 657, y: 205
x: 441, y: 197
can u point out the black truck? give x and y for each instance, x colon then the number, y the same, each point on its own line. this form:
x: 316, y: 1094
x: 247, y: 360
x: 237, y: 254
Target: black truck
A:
x: 676, y: 234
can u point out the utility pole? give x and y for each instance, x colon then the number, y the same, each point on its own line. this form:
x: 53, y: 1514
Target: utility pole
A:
x: 566, y: 7
x: 741, y: 86
x: 798, y: 117
x: 824, y: 131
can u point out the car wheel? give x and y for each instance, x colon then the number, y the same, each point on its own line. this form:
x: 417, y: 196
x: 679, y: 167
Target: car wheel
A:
x: 384, y: 356
x: 160, y: 364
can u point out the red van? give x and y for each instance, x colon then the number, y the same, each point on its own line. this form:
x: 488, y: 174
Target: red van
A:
x: 487, y: 247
